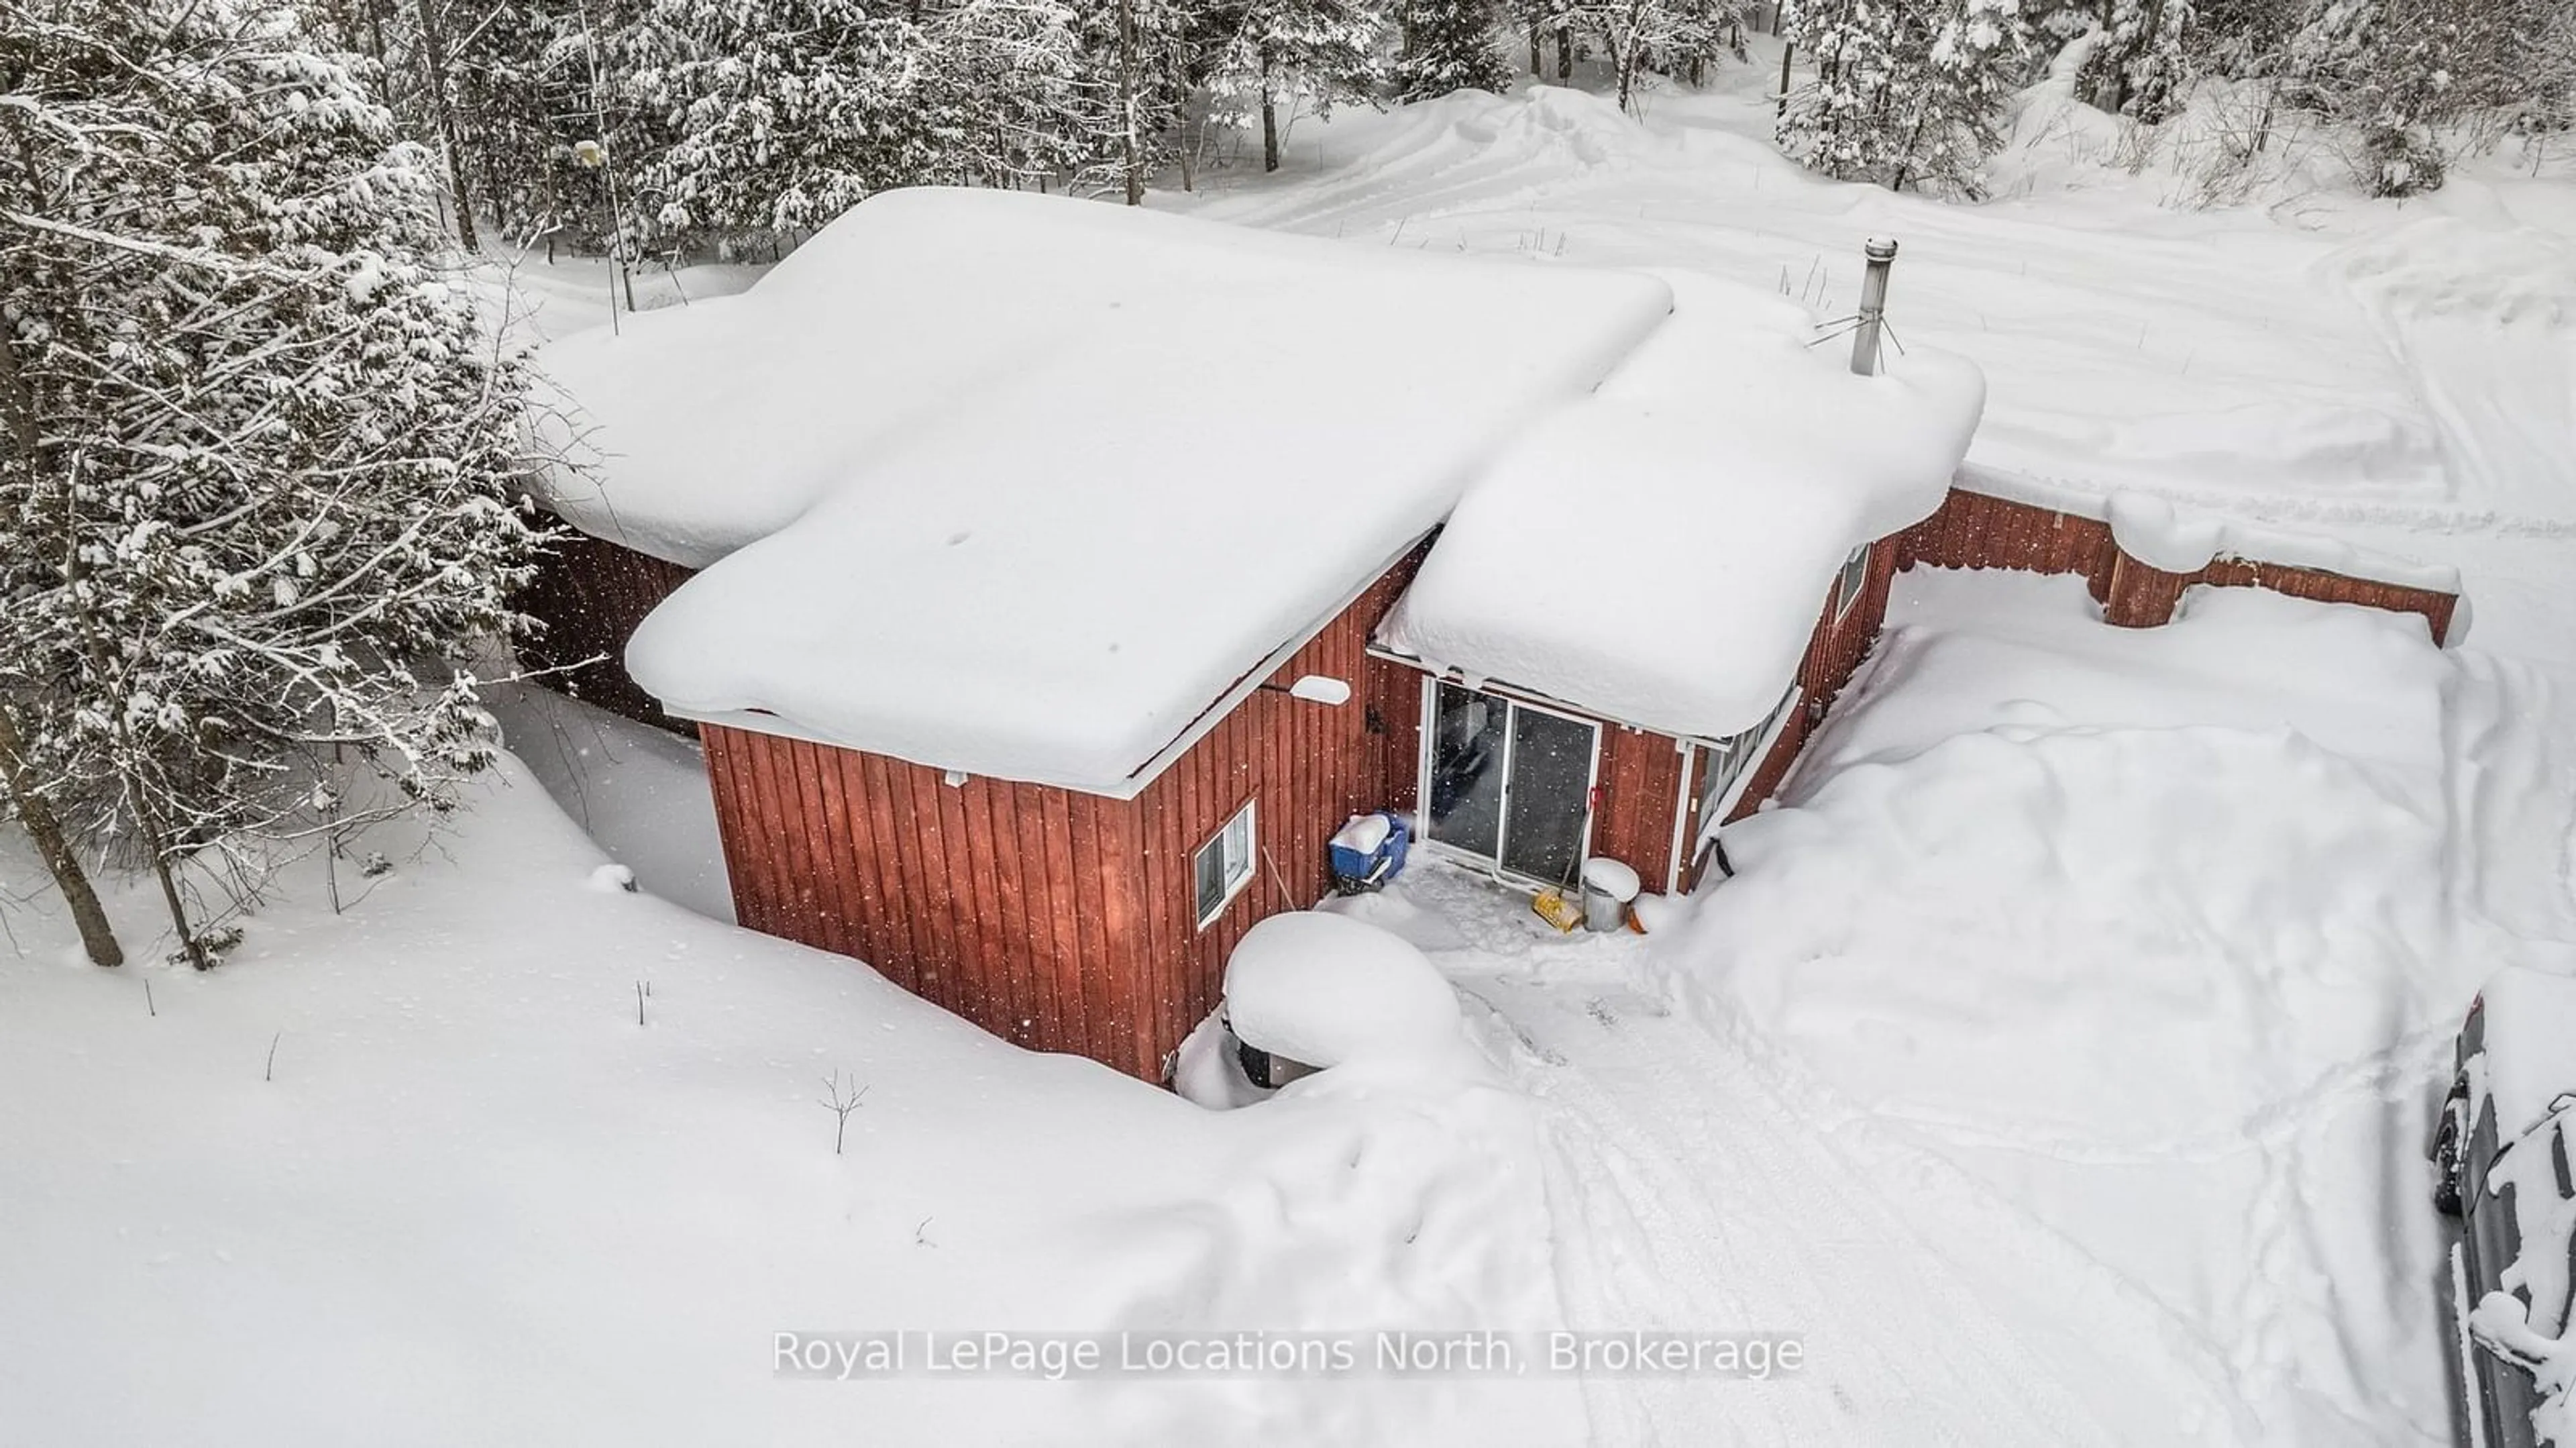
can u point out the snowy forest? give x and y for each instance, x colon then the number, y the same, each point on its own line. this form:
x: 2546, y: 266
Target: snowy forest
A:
x: 257, y: 461
x: 681, y: 124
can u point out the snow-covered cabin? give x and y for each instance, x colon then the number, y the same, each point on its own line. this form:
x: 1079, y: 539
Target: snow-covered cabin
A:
x: 1017, y: 522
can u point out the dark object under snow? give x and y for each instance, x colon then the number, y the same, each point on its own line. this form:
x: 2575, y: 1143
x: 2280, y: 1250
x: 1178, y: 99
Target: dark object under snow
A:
x: 2502, y: 1167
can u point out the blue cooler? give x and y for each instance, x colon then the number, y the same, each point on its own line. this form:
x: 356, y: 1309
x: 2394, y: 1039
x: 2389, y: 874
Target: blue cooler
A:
x: 1360, y: 863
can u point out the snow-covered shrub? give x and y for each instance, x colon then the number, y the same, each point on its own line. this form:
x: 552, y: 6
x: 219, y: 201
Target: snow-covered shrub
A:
x: 2399, y: 161
x: 2142, y: 60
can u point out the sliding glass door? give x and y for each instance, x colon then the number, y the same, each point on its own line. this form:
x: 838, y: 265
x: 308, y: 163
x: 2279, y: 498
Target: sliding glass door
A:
x: 1507, y: 782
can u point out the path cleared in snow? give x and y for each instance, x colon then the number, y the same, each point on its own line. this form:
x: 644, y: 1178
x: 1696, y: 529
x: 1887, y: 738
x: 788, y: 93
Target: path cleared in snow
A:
x: 2060, y: 1061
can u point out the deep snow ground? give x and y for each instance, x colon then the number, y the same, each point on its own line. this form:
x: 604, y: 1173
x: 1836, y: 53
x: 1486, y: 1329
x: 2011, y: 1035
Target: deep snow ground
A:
x: 2403, y: 377
x: 417, y: 1173
x: 2054, y: 1068
x: 2062, y: 1056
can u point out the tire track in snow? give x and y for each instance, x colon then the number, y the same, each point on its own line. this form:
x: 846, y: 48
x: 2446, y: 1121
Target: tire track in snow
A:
x: 2512, y: 783
x: 1706, y: 1201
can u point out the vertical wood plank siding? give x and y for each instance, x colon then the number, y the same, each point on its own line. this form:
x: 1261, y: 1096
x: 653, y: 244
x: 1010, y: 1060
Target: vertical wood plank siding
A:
x: 1641, y: 786
x: 1309, y: 766
x: 2436, y: 607
x: 1974, y: 530
x: 1058, y: 920
x: 1833, y: 654
x: 589, y: 594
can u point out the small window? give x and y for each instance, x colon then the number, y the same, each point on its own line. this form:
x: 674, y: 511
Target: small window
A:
x: 1224, y: 864
x: 1853, y: 582
x: 1728, y: 759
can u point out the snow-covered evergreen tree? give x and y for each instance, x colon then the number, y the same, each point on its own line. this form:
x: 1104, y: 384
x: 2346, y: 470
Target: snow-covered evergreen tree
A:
x: 2389, y: 70
x: 1450, y: 46
x: 1009, y: 89
x: 1977, y: 55
x: 786, y: 113
x: 1843, y: 121
x: 1672, y: 37
x: 2142, y: 59
x: 1283, y: 53
x: 255, y: 467
x: 1900, y: 96
x: 1140, y: 65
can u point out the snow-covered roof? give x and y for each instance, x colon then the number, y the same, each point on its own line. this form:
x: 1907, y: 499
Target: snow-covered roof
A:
x: 1021, y: 486
x: 1659, y: 553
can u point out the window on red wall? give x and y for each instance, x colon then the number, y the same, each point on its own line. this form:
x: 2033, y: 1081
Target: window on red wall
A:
x: 1224, y: 865
x: 1726, y: 761
x: 1854, y: 580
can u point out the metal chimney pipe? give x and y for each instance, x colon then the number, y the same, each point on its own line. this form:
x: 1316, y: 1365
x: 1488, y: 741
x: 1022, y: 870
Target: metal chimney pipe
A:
x: 1873, y: 306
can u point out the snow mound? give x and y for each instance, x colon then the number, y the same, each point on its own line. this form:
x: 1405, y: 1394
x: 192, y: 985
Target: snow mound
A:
x: 1364, y: 833
x: 1611, y: 878
x: 1659, y: 553
x: 2150, y: 933
x: 974, y: 392
x: 1328, y: 990
x: 2180, y: 538
x: 2151, y: 530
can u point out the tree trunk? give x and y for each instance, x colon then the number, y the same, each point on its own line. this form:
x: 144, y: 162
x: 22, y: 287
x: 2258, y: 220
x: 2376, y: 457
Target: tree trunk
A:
x: 1133, y: 163
x: 2155, y: 26
x: 46, y: 832
x: 34, y: 813
x: 1534, y: 56
x: 1564, y: 54
x: 1780, y: 107
x: 433, y: 58
x: 1269, y: 129
x: 189, y: 945
x: 1905, y: 163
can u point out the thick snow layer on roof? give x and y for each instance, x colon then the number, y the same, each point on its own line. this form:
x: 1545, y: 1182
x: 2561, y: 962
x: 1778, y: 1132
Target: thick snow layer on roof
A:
x: 1041, y: 480
x: 1661, y: 552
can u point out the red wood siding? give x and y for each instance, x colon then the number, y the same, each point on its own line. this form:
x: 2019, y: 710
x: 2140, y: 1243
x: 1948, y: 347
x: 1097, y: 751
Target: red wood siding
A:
x: 1012, y: 905
x: 1974, y: 530
x: 2436, y: 607
x: 1309, y: 766
x: 1393, y: 692
x: 1834, y: 654
x: 1641, y: 787
x: 1058, y: 920
x: 589, y: 594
